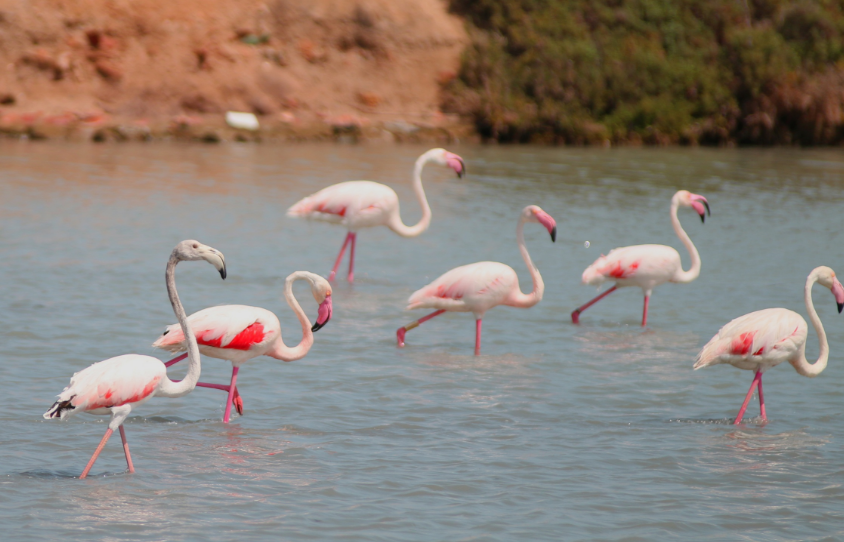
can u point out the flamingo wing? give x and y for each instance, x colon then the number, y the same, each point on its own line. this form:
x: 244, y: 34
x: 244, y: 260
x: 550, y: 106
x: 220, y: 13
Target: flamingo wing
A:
x: 117, y: 381
x: 340, y: 202
x: 237, y: 327
x: 467, y: 287
x: 767, y: 337
x: 648, y: 263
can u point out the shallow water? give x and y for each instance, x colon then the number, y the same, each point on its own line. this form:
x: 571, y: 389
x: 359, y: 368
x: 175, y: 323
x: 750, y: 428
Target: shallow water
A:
x: 595, y: 432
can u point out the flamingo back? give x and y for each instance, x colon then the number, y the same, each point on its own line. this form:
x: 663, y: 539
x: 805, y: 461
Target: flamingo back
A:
x: 638, y: 265
x: 474, y: 288
x: 127, y: 379
x: 354, y: 204
x: 226, y: 327
x: 760, y: 339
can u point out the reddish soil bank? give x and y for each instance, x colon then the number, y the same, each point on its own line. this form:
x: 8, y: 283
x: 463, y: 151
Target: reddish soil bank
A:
x: 309, y: 69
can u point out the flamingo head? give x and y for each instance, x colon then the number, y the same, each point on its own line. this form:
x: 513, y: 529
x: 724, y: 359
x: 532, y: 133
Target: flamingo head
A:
x: 191, y: 250
x: 322, y: 294
x: 533, y: 213
x: 826, y: 277
x: 445, y: 158
x: 695, y: 201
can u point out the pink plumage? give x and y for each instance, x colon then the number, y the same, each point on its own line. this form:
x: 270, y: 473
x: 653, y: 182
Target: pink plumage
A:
x: 763, y: 339
x: 647, y: 266
x: 366, y: 204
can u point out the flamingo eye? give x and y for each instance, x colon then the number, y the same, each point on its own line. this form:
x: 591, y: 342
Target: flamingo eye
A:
x: 195, y: 245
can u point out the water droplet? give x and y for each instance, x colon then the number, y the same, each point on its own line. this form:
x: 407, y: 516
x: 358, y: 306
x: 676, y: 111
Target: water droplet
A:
x: 586, y: 244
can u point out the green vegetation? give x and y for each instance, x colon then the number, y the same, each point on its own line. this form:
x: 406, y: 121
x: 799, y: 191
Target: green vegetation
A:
x: 653, y: 71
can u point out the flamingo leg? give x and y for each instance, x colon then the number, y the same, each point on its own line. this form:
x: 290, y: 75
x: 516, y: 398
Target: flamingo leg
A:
x: 753, y: 385
x: 232, y: 387
x: 645, y: 311
x: 339, y: 257
x: 400, y: 332
x: 762, y: 400
x: 96, y: 453
x: 354, y: 237
x: 575, y: 315
x: 238, y: 401
x: 126, y: 449
x: 478, y: 337
x: 176, y: 360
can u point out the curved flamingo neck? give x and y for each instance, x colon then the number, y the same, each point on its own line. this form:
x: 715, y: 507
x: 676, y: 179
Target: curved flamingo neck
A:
x: 168, y: 388
x: 801, y: 365
x: 281, y: 351
x: 519, y: 299
x: 395, y: 222
x: 694, y: 270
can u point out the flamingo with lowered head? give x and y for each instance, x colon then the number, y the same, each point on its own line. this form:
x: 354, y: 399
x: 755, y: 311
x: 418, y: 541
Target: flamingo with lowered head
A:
x: 478, y: 287
x: 366, y: 204
x: 117, y: 385
x: 764, y: 339
x: 238, y: 333
x: 647, y: 266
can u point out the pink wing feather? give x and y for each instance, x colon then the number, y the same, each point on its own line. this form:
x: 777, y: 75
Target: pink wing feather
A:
x: 239, y: 327
x: 462, y: 288
x: 338, y: 202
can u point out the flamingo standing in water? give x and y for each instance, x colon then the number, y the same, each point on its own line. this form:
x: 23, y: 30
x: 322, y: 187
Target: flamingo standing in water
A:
x: 764, y: 339
x: 238, y: 333
x: 478, y: 287
x: 647, y: 266
x: 365, y: 204
x: 117, y: 385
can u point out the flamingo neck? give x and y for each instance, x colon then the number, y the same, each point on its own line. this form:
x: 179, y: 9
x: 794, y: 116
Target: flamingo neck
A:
x: 168, y: 388
x: 281, y: 351
x: 694, y: 270
x: 519, y: 299
x: 801, y: 365
x: 395, y: 222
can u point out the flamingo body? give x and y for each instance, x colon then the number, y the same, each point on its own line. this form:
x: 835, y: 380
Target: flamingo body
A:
x: 129, y: 380
x: 236, y: 333
x: 645, y: 266
x: 352, y: 204
x: 475, y: 288
x: 757, y: 341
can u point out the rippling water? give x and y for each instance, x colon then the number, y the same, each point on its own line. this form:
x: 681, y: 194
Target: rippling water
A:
x: 598, y: 432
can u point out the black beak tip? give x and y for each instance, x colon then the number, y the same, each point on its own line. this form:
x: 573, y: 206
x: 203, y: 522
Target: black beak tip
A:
x: 223, y: 273
x: 554, y: 235
x: 840, y: 307
x: 703, y: 219
x: 706, y: 204
x: 317, y: 326
x: 462, y: 171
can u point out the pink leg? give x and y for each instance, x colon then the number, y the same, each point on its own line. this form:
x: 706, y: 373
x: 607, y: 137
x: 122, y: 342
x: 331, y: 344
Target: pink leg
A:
x: 645, y: 311
x: 126, y: 449
x: 354, y: 237
x: 747, y: 398
x: 96, y: 453
x: 575, y: 315
x: 478, y: 337
x: 176, y: 360
x: 762, y: 400
x: 237, y: 401
x: 400, y: 333
x: 339, y: 257
x: 232, y: 387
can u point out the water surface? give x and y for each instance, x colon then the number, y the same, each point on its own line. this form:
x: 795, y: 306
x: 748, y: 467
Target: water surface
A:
x: 594, y: 432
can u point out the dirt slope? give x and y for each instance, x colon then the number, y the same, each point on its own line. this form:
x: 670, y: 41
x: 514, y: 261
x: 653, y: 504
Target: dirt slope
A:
x: 306, y: 67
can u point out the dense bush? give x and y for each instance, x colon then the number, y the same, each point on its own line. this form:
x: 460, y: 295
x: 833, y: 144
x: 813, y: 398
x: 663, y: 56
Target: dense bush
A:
x: 653, y: 71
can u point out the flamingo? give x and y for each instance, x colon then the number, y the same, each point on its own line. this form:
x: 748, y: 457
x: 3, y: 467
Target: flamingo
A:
x: 764, y: 339
x: 647, y: 266
x: 118, y: 385
x: 365, y: 204
x: 478, y: 287
x: 238, y: 333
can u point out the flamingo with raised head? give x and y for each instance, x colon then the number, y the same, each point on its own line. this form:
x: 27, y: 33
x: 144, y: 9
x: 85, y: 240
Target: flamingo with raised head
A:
x: 764, y: 339
x: 647, y: 266
x: 238, y: 333
x: 478, y: 287
x: 366, y: 204
x: 117, y: 385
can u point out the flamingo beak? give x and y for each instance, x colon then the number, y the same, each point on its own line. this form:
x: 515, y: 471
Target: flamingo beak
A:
x: 550, y: 224
x: 700, y: 205
x: 838, y: 292
x: 324, y: 314
x: 456, y: 163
